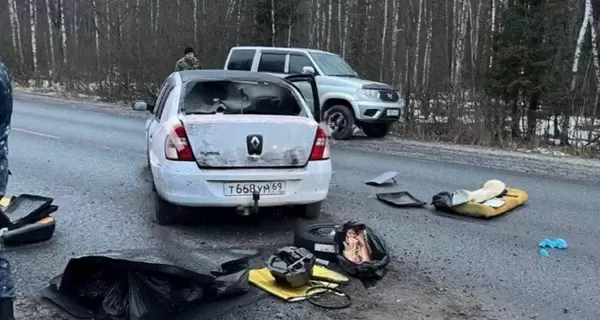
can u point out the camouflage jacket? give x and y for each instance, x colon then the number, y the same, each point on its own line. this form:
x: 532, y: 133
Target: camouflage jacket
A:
x: 6, y: 107
x: 7, y: 287
x: 184, y: 64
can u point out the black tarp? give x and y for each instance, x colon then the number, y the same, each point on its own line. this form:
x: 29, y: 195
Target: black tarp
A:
x: 152, y: 284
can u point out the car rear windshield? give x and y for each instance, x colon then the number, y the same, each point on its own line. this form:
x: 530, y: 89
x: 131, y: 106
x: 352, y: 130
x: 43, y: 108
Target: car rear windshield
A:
x: 240, y: 97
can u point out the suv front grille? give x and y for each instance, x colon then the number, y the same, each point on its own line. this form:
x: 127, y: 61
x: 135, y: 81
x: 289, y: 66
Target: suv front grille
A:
x: 389, y: 96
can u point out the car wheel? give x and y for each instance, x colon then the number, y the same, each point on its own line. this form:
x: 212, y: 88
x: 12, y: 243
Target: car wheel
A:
x: 310, y: 211
x: 340, y: 119
x: 376, y: 130
x: 317, y: 238
x: 164, y: 212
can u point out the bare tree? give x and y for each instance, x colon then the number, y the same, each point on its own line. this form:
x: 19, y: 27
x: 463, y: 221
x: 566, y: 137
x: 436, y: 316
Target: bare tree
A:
x: 463, y: 75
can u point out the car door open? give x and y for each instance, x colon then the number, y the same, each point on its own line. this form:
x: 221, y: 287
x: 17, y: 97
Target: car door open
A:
x: 305, y: 83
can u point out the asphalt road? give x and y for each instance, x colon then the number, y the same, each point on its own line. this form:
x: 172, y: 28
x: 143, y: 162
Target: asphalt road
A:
x: 92, y: 161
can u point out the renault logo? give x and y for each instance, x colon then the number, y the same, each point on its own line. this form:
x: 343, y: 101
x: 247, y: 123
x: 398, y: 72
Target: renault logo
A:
x: 254, y: 144
x: 390, y: 96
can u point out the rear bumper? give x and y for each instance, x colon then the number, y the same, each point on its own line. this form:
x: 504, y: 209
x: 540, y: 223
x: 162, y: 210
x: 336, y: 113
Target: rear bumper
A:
x: 186, y: 185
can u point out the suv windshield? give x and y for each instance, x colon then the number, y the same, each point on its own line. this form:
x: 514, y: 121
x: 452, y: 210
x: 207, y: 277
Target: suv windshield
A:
x: 333, y: 65
x: 239, y: 97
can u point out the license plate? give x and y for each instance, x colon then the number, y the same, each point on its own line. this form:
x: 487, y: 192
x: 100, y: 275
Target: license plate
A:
x: 248, y: 188
x: 392, y: 113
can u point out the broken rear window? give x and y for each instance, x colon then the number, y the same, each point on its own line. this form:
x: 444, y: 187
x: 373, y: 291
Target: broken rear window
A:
x: 240, y: 97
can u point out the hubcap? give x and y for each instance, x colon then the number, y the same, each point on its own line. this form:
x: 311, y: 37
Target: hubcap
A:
x: 336, y: 122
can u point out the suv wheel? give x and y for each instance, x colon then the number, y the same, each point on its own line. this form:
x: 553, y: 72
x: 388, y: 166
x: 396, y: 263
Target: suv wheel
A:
x: 379, y: 130
x: 340, y: 120
x: 164, y: 212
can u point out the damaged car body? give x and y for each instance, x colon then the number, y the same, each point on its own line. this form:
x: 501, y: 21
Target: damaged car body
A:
x: 235, y: 139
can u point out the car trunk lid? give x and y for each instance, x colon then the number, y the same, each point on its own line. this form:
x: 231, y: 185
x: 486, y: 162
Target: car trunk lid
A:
x: 226, y: 141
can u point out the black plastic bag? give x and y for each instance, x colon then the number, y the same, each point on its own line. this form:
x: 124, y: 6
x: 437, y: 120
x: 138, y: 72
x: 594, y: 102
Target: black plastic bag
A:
x: 152, y: 284
x: 371, y: 270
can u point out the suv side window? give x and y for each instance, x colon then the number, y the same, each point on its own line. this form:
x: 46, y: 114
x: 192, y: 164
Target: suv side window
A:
x: 272, y: 62
x: 297, y: 62
x: 162, y: 99
x: 241, y: 60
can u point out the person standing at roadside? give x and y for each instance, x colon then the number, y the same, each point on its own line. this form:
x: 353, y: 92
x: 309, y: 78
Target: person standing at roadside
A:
x: 188, y: 62
x: 7, y: 288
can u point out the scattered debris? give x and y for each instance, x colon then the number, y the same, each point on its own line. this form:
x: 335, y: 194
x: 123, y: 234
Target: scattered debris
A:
x: 361, y: 252
x: 479, y: 204
x: 544, y: 253
x: 291, y: 267
x: 400, y: 199
x: 155, y: 284
x: 557, y: 243
x: 27, y: 219
x: 292, y: 275
x: 383, y: 178
x: 490, y: 190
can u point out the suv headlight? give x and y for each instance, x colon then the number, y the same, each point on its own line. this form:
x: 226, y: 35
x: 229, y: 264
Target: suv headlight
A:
x: 370, y: 93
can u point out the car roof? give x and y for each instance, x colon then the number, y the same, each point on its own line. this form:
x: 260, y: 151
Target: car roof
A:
x: 280, y: 49
x: 221, y: 75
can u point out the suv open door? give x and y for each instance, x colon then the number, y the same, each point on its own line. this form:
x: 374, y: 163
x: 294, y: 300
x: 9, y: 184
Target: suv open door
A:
x: 307, y: 86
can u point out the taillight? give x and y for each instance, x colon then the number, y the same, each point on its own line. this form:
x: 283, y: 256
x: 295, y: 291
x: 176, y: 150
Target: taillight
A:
x: 320, y: 149
x: 177, y: 147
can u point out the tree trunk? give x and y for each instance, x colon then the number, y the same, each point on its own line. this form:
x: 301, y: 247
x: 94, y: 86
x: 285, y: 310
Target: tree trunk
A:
x: 96, y: 34
x: 418, y: 43
x: 33, y: 26
x: 383, y: 37
x: 16, y: 29
x: 273, y: 28
x: 587, y: 14
x: 52, y: 62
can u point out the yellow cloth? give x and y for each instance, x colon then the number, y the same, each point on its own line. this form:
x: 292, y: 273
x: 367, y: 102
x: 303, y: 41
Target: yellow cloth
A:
x: 513, y: 198
x: 4, y: 202
x: 262, y: 279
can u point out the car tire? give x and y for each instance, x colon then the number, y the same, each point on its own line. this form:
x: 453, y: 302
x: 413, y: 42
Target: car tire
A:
x: 317, y: 238
x: 164, y: 212
x: 310, y: 211
x: 347, y: 115
x: 376, y: 130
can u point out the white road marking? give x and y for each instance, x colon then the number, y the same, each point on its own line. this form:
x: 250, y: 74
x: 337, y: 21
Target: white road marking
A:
x: 36, y: 133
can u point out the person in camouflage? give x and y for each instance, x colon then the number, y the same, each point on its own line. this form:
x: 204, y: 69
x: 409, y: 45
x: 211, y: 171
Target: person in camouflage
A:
x: 188, y: 62
x: 7, y: 288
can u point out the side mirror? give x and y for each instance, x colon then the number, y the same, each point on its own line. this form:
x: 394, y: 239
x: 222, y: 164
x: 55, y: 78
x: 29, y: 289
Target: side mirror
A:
x: 308, y: 70
x: 139, y: 105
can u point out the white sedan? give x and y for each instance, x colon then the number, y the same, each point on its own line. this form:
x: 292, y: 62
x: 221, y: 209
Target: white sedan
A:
x: 235, y: 139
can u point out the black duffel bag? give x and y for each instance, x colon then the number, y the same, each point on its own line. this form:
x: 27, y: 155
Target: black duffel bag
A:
x: 368, y: 270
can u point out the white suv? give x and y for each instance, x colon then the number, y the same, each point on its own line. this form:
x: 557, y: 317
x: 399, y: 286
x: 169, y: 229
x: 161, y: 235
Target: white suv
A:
x: 235, y: 139
x: 346, y: 100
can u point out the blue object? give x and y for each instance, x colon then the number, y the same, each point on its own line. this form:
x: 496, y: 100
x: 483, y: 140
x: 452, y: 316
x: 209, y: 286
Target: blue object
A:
x: 544, y: 253
x: 557, y: 243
